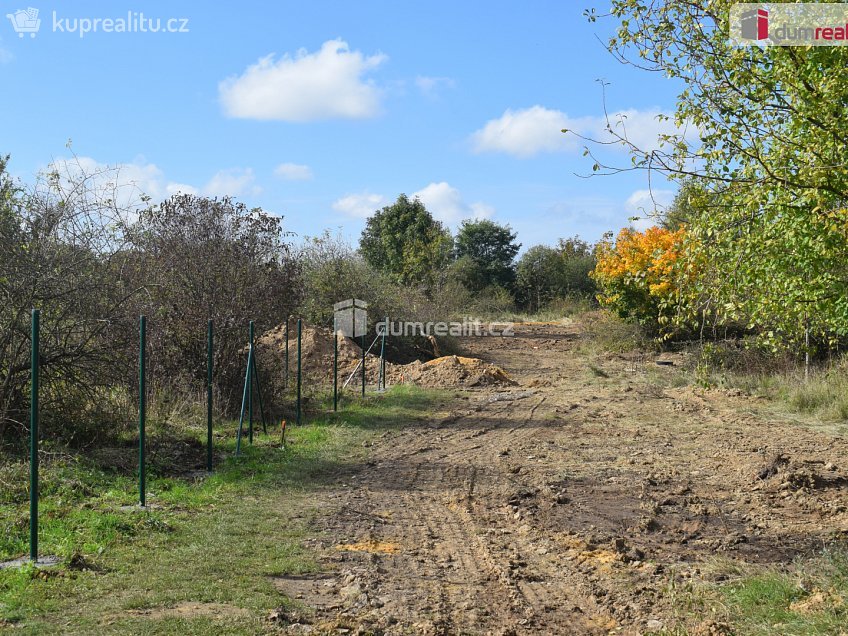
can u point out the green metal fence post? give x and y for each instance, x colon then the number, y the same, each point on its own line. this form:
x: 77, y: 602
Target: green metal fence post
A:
x: 286, y: 376
x: 142, y: 408
x: 335, y: 370
x: 209, y: 363
x: 299, y: 336
x: 250, y: 388
x: 382, y: 373
x: 33, y: 439
x: 362, y: 343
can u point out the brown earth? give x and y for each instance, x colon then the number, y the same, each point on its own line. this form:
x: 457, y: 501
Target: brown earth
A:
x: 317, y: 362
x: 568, y: 504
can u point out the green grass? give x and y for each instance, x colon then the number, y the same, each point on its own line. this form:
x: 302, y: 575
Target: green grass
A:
x: 553, y: 312
x: 824, y: 395
x: 806, y: 598
x: 779, y: 378
x: 810, y: 599
x: 217, y: 542
x: 597, y: 371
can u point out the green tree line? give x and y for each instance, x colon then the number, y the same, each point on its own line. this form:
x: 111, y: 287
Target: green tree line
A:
x: 761, y: 157
x: 93, y: 259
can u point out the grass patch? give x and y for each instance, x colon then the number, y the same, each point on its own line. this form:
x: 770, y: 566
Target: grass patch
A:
x: 824, y: 394
x: 602, y: 332
x: 807, y: 598
x: 810, y: 599
x: 215, y: 543
x: 597, y: 371
x: 555, y: 311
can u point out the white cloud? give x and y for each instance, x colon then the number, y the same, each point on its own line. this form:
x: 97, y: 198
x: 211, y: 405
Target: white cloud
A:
x: 524, y: 133
x: 126, y: 183
x: 360, y: 206
x: 232, y: 182
x: 647, y: 206
x: 430, y: 86
x: 528, y: 132
x: 441, y: 199
x: 481, y: 210
x: 446, y: 204
x: 327, y: 84
x: 293, y: 172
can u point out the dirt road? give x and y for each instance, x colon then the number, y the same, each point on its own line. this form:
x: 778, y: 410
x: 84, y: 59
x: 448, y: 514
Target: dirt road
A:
x: 567, y: 504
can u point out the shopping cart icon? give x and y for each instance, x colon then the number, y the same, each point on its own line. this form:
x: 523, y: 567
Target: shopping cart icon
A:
x: 25, y: 21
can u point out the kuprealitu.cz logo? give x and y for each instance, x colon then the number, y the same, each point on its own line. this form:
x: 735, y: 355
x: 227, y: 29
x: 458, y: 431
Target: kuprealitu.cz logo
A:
x: 25, y: 21
x: 28, y: 22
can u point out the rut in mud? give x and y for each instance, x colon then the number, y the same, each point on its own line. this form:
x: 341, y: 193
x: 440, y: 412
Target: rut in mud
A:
x: 564, y: 504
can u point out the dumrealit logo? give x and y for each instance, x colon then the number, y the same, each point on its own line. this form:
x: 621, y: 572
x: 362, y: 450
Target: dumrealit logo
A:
x: 755, y: 24
x: 350, y: 318
x: 789, y: 24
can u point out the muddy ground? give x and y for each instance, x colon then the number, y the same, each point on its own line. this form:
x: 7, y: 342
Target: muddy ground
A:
x: 569, y: 503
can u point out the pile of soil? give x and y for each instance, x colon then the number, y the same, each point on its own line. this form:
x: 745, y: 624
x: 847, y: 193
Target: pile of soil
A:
x: 451, y: 371
x: 316, y: 354
x: 317, y: 362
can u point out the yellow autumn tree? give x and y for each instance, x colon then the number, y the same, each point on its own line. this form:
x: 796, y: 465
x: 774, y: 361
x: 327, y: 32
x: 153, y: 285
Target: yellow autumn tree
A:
x: 636, y: 274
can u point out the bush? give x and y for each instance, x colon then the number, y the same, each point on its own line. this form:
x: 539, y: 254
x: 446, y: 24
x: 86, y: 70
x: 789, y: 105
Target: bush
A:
x: 61, y: 251
x: 203, y: 259
x: 637, y: 275
x: 608, y: 333
x: 92, y: 264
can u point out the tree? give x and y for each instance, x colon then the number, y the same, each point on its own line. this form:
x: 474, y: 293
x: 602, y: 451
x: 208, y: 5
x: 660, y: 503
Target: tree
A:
x: 404, y: 241
x: 491, y: 248
x: 334, y: 271
x: 578, y: 261
x: 638, y: 274
x: 689, y: 204
x: 212, y: 259
x: 538, y: 277
x: 761, y: 130
x: 548, y: 273
x: 465, y: 272
x: 746, y: 115
x: 62, y: 251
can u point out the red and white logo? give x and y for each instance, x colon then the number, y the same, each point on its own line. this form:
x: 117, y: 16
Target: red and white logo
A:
x: 755, y: 24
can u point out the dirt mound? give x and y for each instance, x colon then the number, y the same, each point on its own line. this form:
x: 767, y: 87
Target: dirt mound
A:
x: 316, y: 352
x: 317, y: 362
x: 451, y: 371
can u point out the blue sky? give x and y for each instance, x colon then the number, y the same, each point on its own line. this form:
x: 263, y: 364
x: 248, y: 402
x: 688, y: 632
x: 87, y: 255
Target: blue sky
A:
x: 324, y: 111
